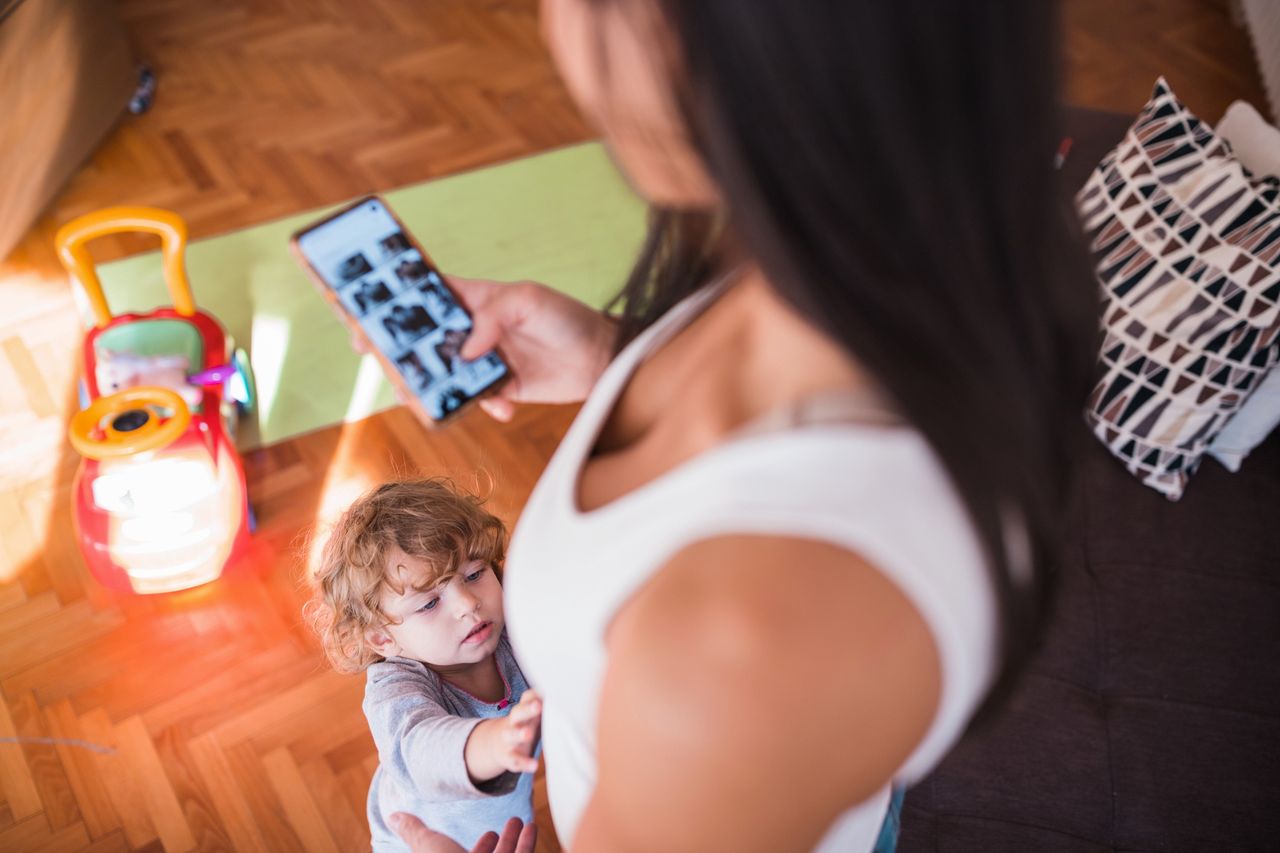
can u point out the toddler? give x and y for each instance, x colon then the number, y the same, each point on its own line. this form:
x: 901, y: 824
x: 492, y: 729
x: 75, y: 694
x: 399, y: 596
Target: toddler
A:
x: 408, y: 591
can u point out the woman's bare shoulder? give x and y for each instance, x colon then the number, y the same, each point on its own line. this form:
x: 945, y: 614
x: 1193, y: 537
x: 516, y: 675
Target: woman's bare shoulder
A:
x: 817, y: 612
x: 791, y: 661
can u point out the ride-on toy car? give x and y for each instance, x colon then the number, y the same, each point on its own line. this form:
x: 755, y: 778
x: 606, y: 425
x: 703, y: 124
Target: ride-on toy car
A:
x: 159, y: 499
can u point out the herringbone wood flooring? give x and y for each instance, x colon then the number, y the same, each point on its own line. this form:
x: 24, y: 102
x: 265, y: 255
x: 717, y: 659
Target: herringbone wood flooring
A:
x: 206, y: 720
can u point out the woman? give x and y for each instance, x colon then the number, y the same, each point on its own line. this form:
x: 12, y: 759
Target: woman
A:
x: 797, y: 535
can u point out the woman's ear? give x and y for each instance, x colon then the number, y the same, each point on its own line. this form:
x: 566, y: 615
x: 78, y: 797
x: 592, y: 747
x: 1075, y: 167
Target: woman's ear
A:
x: 381, y: 642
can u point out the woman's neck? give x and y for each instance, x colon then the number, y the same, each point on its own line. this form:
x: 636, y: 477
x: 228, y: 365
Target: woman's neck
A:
x: 776, y: 356
x: 747, y: 354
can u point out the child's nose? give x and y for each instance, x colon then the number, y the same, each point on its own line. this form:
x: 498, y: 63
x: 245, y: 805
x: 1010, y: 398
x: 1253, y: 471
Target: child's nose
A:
x: 467, y: 603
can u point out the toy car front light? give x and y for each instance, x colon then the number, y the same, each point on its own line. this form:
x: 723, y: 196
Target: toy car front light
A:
x: 157, y: 528
x: 135, y: 488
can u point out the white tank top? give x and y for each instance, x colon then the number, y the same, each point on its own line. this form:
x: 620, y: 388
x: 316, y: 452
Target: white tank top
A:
x: 878, y: 491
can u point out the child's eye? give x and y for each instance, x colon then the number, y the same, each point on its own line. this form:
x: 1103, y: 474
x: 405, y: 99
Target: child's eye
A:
x: 477, y: 573
x: 430, y: 605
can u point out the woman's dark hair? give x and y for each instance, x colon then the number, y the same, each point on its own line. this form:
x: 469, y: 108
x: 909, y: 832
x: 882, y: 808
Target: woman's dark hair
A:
x: 890, y: 164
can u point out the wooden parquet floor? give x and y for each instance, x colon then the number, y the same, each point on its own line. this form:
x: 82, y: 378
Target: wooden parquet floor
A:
x: 206, y: 720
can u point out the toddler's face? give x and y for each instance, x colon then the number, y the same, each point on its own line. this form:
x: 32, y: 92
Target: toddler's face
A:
x: 452, y: 625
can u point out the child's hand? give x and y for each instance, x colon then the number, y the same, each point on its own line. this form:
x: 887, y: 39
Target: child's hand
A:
x: 518, y: 737
x: 506, y: 744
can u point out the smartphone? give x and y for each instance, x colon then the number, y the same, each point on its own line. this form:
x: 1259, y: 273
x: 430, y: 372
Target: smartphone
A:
x: 385, y: 287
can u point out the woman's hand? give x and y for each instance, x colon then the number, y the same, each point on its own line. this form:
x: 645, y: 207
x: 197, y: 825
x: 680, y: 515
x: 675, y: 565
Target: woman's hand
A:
x: 516, y: 837
x: 556, y: 346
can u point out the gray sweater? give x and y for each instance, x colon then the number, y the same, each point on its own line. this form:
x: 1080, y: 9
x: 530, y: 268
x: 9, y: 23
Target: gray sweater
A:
x: 420, y: 724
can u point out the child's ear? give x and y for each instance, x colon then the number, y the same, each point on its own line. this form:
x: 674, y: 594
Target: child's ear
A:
x: 381, y: 642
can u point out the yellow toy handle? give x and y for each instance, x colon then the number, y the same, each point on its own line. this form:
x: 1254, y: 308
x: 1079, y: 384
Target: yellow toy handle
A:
x: 135, y: 425
x: 72, y: 238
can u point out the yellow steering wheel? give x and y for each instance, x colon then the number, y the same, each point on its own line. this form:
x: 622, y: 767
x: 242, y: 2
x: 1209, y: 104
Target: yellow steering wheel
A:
x: 137, y: 420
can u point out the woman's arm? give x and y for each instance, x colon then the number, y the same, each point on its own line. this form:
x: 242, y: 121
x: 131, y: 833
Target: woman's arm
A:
x: 757, y: 687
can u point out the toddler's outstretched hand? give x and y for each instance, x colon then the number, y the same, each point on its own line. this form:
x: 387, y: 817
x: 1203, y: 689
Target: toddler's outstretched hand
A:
x: 519, y: 736
x: 505, y: 744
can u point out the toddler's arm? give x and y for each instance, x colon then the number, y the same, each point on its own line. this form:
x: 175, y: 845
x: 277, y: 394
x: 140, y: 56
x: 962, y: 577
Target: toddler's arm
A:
x: 424, y: 746
x: 505, y: 744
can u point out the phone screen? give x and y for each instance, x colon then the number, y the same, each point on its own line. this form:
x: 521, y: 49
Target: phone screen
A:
x: 402, y: 304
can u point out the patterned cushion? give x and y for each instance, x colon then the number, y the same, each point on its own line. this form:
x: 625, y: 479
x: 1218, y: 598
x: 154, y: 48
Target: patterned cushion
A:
x: 1187, y: 250
x: 1257, y: 146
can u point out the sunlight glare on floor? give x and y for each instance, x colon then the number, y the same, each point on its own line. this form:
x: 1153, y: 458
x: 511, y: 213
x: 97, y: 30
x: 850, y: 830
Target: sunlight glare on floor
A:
x: 345, y: 481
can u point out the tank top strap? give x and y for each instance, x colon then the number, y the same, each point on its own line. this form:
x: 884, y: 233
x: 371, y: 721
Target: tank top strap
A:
x: 864, y: 406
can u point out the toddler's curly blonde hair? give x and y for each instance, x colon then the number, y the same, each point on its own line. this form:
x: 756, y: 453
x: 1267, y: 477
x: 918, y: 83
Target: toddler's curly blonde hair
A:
x: 425, y: 518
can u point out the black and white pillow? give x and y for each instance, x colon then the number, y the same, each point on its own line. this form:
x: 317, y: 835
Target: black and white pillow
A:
x: 1187, y: 249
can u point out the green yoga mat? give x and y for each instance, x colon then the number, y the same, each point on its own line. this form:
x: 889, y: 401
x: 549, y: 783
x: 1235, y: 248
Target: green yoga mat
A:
x: 564, y: 218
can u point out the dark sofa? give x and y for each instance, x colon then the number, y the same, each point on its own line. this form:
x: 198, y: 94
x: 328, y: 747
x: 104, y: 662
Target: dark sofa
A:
x: 1150, y: 717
